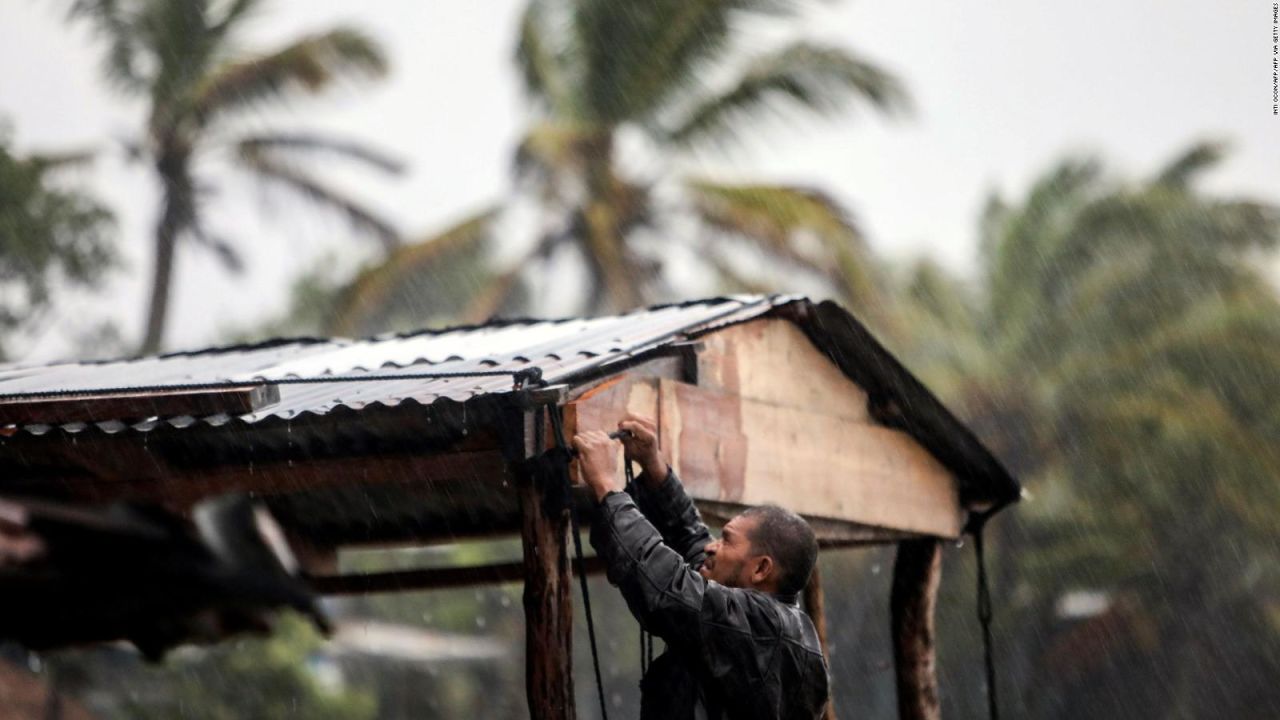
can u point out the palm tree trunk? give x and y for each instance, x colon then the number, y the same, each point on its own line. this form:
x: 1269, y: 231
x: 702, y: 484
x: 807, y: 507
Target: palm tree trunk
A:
x: 175, y: 218
x: 603, y: 225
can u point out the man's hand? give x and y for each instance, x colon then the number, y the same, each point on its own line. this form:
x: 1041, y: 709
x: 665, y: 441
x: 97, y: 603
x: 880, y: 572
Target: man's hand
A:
x: 641, y: 442
x: 598, y: 461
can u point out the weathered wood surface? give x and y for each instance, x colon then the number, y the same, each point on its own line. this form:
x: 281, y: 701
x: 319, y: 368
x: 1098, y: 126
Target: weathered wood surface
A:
x: 737, y: 450
x: 815, y: 606
x: 92, y: 407
x: 917, y: 570
x: 771, y: 360
x: 774, y: 421
x: 548, y: 586
x: 601, y: 407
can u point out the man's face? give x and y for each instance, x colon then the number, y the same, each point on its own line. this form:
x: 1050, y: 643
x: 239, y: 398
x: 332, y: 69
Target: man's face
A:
x: 729, y: 558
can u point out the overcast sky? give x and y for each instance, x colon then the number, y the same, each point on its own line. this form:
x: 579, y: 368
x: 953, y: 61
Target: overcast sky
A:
x: 1002, y: 89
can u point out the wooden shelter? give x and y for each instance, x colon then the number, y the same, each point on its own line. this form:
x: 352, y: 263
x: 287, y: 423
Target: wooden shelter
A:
x: 428, y: 436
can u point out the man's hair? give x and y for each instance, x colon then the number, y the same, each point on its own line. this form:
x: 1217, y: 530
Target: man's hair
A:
x: 788, y: 539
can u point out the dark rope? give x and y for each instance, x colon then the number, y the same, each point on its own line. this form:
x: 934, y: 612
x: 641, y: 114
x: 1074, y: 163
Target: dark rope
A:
x: 984, y: 617
x: 557, y: 425
x: 646, y: 637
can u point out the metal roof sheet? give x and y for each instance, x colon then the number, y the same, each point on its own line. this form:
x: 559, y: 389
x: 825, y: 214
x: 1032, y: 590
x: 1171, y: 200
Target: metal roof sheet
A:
x: 321, y: 376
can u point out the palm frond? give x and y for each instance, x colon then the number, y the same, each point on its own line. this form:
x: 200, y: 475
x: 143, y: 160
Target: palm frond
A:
x: 637, y: 55
x: 541, y: 64
x: 236, y: 11
x: 119, y: 29
x: 489, y: 300
x: 802, y: 77
x: 372, y: 289
x: 289, y: 175
x: 734, y: 281
x: 68, y: 160
x: 310, y: 64
x: 776, y: 218
x: 1196, y: 159
x: 549, y: 153
x: 310, y: 144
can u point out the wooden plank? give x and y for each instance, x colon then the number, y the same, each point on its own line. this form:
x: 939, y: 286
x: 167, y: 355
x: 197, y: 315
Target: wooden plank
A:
x: 430, y: 578
x: 831, y: 534
x: 604, y: 405
x: 184, y: 488
x: 772, y: 361
x: 548, y: 600
x: 94, y: 407
x: 731, y: 449
x: 917, y: 571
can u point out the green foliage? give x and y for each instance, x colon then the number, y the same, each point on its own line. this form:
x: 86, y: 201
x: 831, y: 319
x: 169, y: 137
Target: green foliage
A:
x: 50, y: 235
x: 265, y: 678
x: 1123, y: 357
x: 187, y: 60
x: 593, y: 69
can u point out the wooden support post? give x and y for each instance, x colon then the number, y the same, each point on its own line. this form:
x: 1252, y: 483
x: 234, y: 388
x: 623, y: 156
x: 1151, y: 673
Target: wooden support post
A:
x: 916, y: 573
x: 815, y: 605
x: 548, y: 584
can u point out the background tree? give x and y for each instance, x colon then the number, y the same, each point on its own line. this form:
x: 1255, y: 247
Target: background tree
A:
x: 1122, y: 355
x: 51, y: 236
x: 594, y: 72
x: 258, y: 678
x: 185, y: 58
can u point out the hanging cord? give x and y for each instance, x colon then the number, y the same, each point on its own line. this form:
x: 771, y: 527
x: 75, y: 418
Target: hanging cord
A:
x: 646, y: 638
x: 984, y: 617
x: 557, y: 425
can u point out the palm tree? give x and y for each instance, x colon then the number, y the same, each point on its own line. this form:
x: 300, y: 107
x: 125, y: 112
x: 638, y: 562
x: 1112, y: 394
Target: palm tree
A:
x: 1122, y: 354
x: 596, y: 71
x: 185, y: 58
x: 50, y: 235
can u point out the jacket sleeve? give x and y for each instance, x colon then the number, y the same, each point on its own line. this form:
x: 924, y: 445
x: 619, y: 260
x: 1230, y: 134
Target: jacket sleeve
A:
x: 671, y: 511
x: 665, y: 593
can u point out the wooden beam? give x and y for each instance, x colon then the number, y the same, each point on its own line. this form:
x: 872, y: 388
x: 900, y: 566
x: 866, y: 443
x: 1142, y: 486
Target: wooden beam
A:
x: 182, y: 488
x: 429, y: 579
x: 95, y: 407
x: 815, y: 606
x: 548, y: 586
x: 917, y: 571
x: 831, y: 534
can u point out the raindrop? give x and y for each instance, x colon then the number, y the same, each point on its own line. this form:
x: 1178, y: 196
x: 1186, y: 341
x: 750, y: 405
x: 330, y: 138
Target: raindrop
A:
x: 875, y: 569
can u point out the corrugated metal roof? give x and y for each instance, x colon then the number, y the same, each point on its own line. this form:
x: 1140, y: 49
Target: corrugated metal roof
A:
x: 559, y: 348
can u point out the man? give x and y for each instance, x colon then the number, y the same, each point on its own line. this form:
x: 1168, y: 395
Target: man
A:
x: 738, y: 645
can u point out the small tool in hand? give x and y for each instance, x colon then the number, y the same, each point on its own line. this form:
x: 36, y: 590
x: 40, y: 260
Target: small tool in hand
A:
x: 615, y: 435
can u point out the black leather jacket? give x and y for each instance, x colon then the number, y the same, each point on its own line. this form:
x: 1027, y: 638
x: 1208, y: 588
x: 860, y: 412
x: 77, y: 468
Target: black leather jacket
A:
x: 736, y: 653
